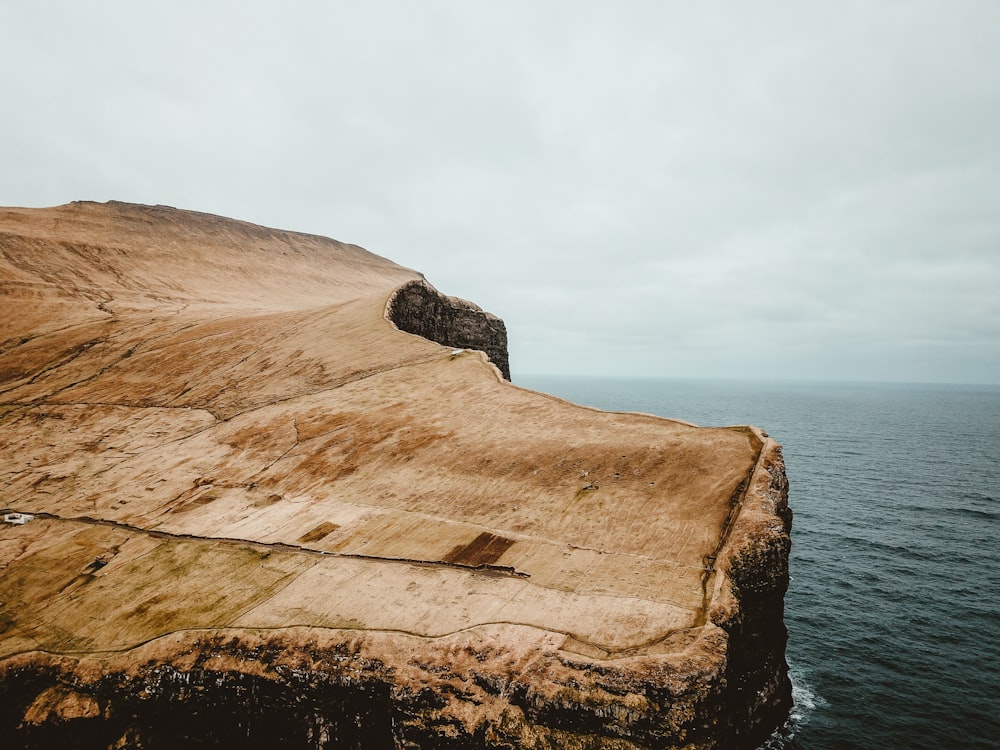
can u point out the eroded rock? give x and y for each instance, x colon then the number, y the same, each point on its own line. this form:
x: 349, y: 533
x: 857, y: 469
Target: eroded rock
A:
x: 419, y: 308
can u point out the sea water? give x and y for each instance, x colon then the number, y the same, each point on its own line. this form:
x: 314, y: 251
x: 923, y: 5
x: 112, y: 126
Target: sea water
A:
x: 893, y: 610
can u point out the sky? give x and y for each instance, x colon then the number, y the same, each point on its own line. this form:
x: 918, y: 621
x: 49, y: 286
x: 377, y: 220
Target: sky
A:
x: 730, y: 189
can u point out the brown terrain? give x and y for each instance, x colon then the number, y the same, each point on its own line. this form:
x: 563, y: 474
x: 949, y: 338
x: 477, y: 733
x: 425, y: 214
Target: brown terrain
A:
x: 258, y: 508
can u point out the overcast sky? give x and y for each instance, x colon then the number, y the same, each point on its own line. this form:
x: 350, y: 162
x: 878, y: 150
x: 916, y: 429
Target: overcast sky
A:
x: 683, y: 189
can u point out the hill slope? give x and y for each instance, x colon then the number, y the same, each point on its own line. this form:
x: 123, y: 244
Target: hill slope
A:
x: 245, y: 480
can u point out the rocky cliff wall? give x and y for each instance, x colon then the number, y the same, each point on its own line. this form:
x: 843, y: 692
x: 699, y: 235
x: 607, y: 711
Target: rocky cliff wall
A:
x: 748, y: 603
x: 419, y: 308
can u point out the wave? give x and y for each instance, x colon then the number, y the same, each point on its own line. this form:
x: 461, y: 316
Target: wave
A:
x: 959, y: 511
x: 805, y: 702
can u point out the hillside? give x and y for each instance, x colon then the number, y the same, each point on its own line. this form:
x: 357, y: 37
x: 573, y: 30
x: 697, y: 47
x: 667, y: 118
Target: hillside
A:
x: 260, y: 509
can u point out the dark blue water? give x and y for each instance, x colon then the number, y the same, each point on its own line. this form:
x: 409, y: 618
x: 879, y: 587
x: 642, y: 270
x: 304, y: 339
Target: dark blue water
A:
x: 894, y: 606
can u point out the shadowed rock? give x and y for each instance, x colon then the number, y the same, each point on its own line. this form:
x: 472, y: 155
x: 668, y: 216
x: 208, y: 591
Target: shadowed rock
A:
x: 419, y: 308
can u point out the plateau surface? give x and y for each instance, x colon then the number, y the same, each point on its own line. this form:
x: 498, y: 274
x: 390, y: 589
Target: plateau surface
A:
x: 269, y: 486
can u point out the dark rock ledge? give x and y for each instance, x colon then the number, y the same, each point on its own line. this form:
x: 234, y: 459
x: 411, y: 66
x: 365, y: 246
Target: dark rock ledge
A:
x: 419, y: 308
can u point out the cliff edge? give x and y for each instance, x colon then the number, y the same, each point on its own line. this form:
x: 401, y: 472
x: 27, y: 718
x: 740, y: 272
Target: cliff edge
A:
x: 243, y: 502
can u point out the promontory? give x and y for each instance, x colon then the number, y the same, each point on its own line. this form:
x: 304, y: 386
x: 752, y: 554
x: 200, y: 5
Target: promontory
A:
x: 265, y: 489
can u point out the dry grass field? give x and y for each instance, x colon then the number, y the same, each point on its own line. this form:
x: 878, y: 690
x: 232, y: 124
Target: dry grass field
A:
x: 217, y: 430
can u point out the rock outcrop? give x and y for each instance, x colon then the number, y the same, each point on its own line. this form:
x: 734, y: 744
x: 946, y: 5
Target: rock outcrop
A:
x: 419, y: 308
x: 245, y: 503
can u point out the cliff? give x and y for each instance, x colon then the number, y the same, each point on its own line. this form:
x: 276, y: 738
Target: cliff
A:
x: 418, y: 308
x: 243, y: 500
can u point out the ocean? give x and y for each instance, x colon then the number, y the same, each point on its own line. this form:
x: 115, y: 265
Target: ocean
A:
x: 893, y: 610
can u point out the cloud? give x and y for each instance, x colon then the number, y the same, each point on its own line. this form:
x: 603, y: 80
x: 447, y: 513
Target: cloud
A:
x: 781, y: 189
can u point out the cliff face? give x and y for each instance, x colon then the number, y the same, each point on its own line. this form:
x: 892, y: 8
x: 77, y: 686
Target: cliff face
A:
x: 749, y: 604
x: 419, y: 308
x: 251, y: 507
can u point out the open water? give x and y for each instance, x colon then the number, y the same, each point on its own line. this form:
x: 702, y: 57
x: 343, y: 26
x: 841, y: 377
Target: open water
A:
x: 894, y: 607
